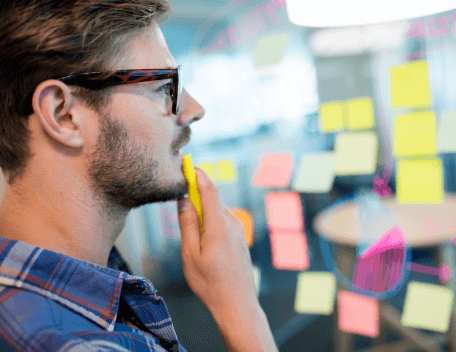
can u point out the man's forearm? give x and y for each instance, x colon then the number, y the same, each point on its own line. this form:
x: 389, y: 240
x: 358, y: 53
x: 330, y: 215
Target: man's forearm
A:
x: 246, y: 331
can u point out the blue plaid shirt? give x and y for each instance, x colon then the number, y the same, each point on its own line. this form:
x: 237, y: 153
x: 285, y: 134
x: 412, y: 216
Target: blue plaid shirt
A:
x: 53, y: 302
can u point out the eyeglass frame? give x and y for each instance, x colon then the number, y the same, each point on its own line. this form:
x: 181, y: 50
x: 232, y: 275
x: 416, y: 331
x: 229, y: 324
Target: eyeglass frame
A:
x: 89, y: 81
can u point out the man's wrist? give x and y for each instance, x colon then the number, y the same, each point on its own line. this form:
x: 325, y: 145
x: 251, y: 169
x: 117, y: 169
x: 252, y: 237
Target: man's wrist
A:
x: 245, y: 329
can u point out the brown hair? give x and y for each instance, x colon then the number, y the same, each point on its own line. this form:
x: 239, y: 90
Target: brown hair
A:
x: 45, y: 39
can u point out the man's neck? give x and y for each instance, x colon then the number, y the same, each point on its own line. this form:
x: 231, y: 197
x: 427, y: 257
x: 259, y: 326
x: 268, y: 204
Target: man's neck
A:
x: 78, y: 231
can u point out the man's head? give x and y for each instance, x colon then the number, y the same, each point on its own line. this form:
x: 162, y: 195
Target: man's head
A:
x: 121, y: 140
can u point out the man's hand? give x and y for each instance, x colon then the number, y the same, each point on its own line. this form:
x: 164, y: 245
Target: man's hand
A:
x: 217, y: 263
x: 218, y: 269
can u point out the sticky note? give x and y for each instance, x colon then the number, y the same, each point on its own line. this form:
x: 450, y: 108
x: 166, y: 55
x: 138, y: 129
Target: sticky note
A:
x: 360, y: 114
x: 209, y: 169
x: 227, y: 172
x: 289, y: 251
x: 356, y: 153
x: 332, y: 116
x: 446, y: 131
x: 257, y: 279
x: 274, y: 170
x: 427, y: 306
x: 358, y: 314
x: 247, y: 220
x: 420, y: 181
x: 315, y: 293
x: 410, y: 85
x: 270, y: 50
x: 284, y: 211
x: 316, y: 173
x: 415, y: 134
x: 169, y: 220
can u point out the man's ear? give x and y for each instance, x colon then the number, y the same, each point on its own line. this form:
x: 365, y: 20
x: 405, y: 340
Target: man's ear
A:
x: 52, y: 104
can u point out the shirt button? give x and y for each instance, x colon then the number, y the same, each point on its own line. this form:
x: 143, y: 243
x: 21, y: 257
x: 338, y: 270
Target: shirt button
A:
x: 138, y: 287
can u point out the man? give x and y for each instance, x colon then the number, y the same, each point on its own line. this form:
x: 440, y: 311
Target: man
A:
x: 78, y: 155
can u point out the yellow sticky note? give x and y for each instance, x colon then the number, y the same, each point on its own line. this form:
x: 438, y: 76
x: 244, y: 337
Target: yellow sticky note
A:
x: 270, y: 50
x: 410, y: 85
x: 358, y: 314
x: 446, y: 143
x: 420, y: 181
x: 356, y: 153
x: 227, y: 172
x: 427, y: 306
x: 331, y: 116
x: 315, y: 293
x: 209, y: 169
x: 247, y: 220
x: 415, y: 134
x: 316, y: 173
x: 360, y: 114
x: 257, y: 279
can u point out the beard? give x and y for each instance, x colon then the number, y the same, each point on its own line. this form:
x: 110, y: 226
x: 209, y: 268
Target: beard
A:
x: 124, y: 175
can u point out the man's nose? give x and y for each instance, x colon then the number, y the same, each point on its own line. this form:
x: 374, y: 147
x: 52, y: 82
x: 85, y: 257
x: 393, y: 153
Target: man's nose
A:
x: 190, y: 110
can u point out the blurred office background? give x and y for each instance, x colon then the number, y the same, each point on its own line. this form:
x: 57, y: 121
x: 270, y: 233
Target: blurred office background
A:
x: 263, y: 87
x: 262, y: 81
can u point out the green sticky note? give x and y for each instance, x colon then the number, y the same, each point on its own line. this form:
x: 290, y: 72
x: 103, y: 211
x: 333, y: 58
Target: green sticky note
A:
x: 270, y: 50
x: 316, y: 173
x: 446, y: 143
x: 427, y: 306
x: 420, y: 181
x: 410, y: 85
x: 332, y: 116
x: 315, y: 293
x: 356, y: 153
x: 415, y: 134
x: 360, y: 113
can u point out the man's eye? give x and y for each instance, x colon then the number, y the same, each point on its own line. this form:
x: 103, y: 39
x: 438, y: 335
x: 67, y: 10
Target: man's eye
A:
x: 167, y: 89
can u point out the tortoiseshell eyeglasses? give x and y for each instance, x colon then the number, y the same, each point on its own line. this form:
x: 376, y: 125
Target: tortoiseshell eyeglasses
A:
x: 90, y: 81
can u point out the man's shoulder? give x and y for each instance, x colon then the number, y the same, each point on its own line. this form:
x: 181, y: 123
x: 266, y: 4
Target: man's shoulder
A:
x: 32, y: 321
x: 24, y: 313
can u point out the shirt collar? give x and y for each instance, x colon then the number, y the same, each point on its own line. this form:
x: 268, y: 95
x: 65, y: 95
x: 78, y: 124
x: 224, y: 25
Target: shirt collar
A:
x: 88, y: 289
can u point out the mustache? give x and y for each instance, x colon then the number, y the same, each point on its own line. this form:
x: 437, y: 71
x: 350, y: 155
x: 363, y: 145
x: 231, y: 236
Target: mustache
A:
x: 184, y: 138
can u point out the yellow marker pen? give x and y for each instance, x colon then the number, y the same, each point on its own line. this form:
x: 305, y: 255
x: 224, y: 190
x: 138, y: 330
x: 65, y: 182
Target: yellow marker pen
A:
x: 193, y: 194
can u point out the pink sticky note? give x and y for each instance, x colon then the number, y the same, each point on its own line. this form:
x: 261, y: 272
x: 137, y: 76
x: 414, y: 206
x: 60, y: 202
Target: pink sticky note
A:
x: 358, y: 314
x: 444, y: 273
x: 391, y: 239
x: 289, y: 251
x: 274, y: 170
x: 284, y: 212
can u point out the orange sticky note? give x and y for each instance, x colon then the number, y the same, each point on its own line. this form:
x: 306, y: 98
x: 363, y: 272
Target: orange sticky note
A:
x: 247, y: 220
x: 274, y: 170
x: 358, y: 314
x: 289, y: 251
x: 284, y: 212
